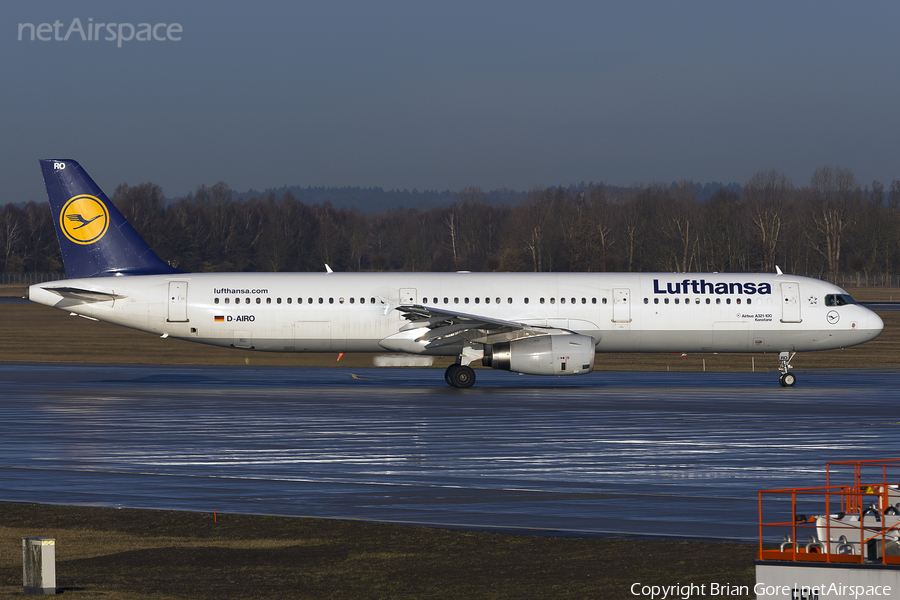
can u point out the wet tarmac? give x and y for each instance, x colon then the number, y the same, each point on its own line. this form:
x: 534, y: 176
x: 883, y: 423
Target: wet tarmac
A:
x: 635, y: 454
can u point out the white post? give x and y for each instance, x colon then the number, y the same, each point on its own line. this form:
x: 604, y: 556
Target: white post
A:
x: 39, y: 566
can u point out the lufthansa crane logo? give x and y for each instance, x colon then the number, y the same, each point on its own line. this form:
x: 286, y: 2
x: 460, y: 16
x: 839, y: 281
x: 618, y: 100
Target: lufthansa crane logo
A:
x: 84, y: 219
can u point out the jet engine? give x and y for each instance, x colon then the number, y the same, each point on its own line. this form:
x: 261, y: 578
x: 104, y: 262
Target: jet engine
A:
x: 564, y: 354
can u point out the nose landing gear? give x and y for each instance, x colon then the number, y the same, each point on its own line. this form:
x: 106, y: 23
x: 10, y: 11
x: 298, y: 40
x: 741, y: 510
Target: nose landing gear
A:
x: 786, y: 379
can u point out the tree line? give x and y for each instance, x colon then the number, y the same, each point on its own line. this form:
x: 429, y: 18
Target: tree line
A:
x: 832, y: 225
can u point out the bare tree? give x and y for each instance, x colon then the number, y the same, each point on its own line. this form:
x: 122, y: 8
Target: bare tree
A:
x: 681, y: 224
x: 833, y: 193
x: 10, y: 239
x: 765, y: 196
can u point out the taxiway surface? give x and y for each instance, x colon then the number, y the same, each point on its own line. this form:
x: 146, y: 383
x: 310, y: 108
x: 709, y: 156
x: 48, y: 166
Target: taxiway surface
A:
x: 610, y: 453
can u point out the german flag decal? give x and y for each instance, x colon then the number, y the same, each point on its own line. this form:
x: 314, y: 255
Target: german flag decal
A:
x: 219, y: 318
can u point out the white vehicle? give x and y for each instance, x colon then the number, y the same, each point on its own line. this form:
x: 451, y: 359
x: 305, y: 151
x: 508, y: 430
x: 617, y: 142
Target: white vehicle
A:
x: 534, y: 323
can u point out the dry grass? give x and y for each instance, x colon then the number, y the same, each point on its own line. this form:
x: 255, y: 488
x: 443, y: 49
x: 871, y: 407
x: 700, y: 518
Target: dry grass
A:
x: 139, y: 554
x: 34, y: 333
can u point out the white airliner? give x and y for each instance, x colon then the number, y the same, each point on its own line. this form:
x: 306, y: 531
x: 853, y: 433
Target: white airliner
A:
x: 534, y: 323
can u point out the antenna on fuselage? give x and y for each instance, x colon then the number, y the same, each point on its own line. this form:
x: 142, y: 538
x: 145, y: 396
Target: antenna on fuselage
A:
x: 328, y: 269
x: 777, y: 270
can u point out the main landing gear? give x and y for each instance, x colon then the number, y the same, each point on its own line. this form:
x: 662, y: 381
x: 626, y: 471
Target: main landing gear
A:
x: 459, y: 376
x: 786, y: 379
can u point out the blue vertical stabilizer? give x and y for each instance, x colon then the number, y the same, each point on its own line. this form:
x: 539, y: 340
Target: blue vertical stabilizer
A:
x: 94, y: 237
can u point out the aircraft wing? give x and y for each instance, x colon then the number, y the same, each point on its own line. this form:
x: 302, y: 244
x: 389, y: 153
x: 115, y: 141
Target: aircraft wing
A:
x: 447, y: 327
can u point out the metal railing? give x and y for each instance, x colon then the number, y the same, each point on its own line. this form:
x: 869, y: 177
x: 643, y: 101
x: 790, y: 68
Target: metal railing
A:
x: 30, y: 278
x: 860, y: 280
x: 858, y: 522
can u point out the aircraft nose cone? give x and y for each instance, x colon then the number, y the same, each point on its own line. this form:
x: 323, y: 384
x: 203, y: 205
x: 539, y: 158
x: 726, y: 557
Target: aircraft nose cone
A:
x: 876, y: 324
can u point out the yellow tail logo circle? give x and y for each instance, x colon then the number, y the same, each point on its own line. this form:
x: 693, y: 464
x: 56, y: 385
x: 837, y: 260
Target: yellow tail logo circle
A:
x: 84, y: 219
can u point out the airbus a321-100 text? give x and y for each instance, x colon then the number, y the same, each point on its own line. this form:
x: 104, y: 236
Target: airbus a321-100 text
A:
x: 533, y: 323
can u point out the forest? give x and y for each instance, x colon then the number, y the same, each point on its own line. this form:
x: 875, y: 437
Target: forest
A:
x: 831, y: 225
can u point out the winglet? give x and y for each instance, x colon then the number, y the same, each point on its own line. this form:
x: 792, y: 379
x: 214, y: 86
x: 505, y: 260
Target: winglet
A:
x: 94, y: 237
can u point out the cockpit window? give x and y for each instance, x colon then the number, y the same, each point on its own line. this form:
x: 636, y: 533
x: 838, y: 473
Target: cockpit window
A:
x: 838, y: 300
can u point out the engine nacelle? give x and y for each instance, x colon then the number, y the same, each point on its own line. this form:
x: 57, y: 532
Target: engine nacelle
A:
x: 565, y: 354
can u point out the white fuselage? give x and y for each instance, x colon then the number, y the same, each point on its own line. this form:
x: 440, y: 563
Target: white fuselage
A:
x: 353, y: 312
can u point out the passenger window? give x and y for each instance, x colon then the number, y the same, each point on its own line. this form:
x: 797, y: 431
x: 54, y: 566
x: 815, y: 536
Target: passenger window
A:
x: 738, y: 300
x: 321, y: 301
x: 497, y: 300
x: 707, y: 300
x: 446, y: 301
x: 477, y: 300
x: 656, y: 301
x: 646, y: 300
x: 456, y: 301
x: 697, y: 301
x: 593, y: 301
x: 542, y: 300
x: 666, y: 301
x: 727, y: 300
x: 552, y: 300
x: 487, y: 300
x: 584, y: 300
x: 526, y: 300
x: 310, y: 300
x: 278, y: 301
x: 246, y: 300
x: 217, y: 301
x: 289, y: 300
x: 573, y: 300
x: 749, y: 300
x: 226, y: 300
x: 259, y: 300
x: 509, y: 300
x: 718, y: 301
x: 677, y: 300
x: 268, y: 301
x: 604, y: 300
x: 561, y: 301
x: 331, y: 301
x: 362, y: 300
x: 371, y: 300
x: 341, y: 300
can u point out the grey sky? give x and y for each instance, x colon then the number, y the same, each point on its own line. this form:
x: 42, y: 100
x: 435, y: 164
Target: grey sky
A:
x: 434, y: 95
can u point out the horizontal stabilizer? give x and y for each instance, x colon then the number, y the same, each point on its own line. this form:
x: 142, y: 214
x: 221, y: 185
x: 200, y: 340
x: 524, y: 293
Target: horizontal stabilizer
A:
x: 84, y: 296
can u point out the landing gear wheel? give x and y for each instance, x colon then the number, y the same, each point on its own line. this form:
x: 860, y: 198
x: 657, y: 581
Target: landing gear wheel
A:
x: 463, y: 376
x: 447, y: 374
x: 787, y: 380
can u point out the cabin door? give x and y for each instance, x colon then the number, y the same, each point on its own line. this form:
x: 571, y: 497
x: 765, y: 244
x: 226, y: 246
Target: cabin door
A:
x: 177, y: 301
x: 790, y: 303
x: 621, y: 305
